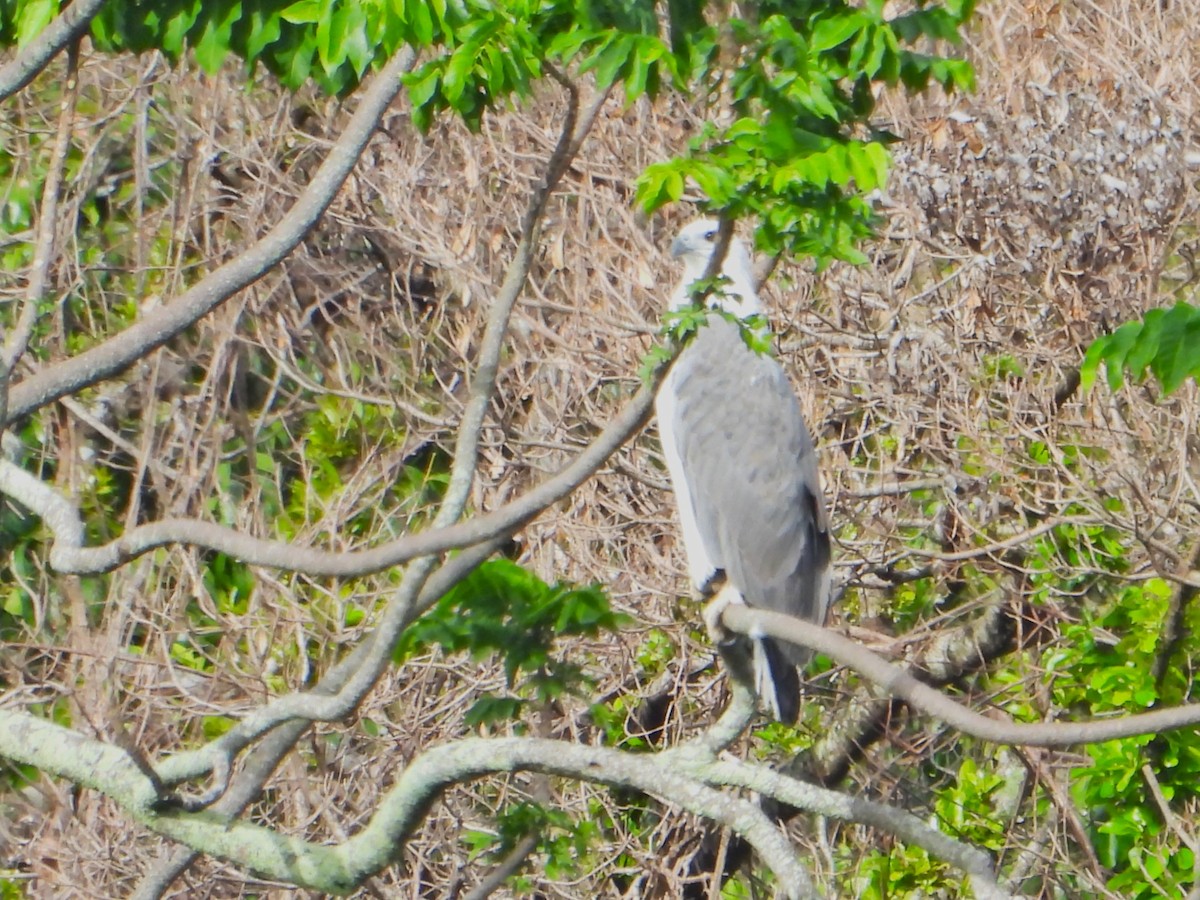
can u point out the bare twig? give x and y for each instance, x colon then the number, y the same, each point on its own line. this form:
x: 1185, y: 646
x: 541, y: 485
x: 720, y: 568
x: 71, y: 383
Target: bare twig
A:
x: 510, y: 865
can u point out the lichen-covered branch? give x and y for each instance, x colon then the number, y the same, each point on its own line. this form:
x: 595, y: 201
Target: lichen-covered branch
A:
x: 896, y: 682
x: 341, y: 867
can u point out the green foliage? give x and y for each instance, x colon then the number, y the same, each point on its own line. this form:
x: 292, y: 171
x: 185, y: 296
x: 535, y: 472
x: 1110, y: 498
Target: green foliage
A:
x: 340, y: 434
x: 902, y: 871
x: 1104, y: 664
x: 18, y: 533
x: 966, y: 808
x: 562, y: 844
x: 229, y: 582
x: 11, y: 883
x: 612, y: 717
x: 1003, y: 367
x: 503, y: 610
x: 801, y: 154
x: 1167, y: 341
x: 680, y: 326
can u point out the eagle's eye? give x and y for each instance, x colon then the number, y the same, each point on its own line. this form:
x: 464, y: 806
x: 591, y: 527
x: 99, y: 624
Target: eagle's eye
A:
x: 711, y: 234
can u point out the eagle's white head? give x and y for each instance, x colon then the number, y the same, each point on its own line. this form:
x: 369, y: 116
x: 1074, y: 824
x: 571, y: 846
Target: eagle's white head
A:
x: 694, y: 245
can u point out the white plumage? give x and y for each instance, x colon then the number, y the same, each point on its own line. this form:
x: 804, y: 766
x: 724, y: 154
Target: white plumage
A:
x: 744, y: 469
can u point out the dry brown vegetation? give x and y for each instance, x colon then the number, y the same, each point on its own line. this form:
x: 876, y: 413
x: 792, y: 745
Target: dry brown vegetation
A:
x: 1022, y: 221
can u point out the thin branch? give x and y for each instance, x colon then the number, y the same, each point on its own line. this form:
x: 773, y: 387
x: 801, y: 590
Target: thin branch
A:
x: 897, y: 488
x: 742, y: 706
x: 25, y: 66
x: 343, y: 686
x: 510, y: 865
x: 992, y: 549
x: 898, y: 683
x: 466, y: 445
x: 116, y: 353
x: 39, y: 271
x: 68, y: 555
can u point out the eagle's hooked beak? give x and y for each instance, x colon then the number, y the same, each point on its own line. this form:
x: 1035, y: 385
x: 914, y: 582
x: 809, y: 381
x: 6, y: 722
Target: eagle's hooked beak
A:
x: 679, y: 247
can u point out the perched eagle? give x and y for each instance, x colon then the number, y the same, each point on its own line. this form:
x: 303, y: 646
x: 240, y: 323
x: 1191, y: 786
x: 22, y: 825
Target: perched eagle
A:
x: 744, y: 469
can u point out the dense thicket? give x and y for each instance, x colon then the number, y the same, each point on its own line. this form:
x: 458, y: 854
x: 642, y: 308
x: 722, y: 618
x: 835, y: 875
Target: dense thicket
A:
x: 1026, y: 544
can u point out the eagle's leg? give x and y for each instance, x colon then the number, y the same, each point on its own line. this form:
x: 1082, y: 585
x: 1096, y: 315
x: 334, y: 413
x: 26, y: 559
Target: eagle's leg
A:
x: 748, y: 660
x: 722, y: 594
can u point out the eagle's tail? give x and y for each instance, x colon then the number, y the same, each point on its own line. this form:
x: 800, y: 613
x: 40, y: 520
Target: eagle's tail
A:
x: 777, y: 681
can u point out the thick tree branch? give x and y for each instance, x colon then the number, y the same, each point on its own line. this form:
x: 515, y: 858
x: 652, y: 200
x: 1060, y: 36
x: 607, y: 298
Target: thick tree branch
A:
x: 245, y: 788
x: 342, y: 867
x: 121, y: 350
x: 25, y: 66
x: 899, y: 683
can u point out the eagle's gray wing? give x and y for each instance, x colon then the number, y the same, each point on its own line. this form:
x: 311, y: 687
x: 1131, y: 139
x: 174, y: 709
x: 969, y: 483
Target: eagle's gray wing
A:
x: 749, y: 467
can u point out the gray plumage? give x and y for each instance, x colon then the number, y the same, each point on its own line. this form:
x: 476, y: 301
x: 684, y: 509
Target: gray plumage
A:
x: 744, y: 470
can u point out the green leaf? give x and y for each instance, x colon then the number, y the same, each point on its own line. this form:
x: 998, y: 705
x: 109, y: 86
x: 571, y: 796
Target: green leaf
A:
x: 422, y: 85
x: 455, y: 75
x: 213, y: 44
x: 421, y: 21
x: 264, y: 28
x: 609, y: 63
x: 1178, y: 354
x: 1166, y: 341
x: 34, y: 16
x: 490, y: 709
x: 1111, y: 350
x: 306, y: 12
x: 879, y: 158
x: 832, y: 32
